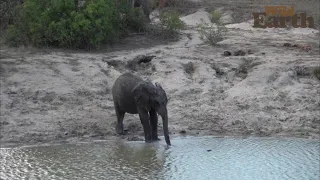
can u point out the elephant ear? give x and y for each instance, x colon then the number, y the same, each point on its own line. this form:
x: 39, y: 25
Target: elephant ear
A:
x: 142, y: 96
x: 164, y: 96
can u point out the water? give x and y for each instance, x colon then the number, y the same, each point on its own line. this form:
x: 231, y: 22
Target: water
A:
x: 193, y: 158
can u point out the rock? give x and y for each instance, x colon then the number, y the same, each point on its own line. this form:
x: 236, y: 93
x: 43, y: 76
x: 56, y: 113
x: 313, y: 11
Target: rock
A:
x: 113, y: 63
x: 143, y: 59
x: 133, y: 64
x: 240, y: 53
x: 226, y: 53
x: 209, y: 150
x: 287, y: 45
x: 196, y: 18
x: 183, y: 132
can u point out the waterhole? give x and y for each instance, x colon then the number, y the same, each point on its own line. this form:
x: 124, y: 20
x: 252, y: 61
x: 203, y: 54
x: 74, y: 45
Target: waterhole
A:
x: 191, y: 158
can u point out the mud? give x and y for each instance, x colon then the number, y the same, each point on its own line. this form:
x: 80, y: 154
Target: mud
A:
x: 54, y: 95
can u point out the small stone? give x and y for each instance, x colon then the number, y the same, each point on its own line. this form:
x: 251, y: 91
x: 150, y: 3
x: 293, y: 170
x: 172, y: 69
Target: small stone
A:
x: 263, y: 53
x: 209, y: 150
x: 287, y: 45
x: 250, y: 51
x: 183, y: 132
x: 227, y: 53
x: 240, y: 53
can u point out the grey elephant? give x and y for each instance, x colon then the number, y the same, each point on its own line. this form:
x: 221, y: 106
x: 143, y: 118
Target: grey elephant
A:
x: 131, y: 94
x: 145, y: 7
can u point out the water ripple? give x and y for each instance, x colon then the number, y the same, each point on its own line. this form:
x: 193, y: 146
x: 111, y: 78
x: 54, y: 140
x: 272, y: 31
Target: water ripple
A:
x: 188, y: 158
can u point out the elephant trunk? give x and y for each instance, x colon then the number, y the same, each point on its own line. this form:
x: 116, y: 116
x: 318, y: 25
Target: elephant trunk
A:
x: 165, y: 127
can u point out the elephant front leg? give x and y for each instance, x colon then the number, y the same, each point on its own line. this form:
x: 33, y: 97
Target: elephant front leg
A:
x: 154, y: 125
x: 144, y: 118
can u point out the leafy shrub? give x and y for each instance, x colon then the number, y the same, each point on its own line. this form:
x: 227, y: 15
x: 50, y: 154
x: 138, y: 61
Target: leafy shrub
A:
x: 135, y: 20
x: 171, y: 23
x: 316, y: 72
x: 63, y: 23
x: 7, y: 12
x: 215, y: 16
x: 154, y: 4
x: 212, y: 33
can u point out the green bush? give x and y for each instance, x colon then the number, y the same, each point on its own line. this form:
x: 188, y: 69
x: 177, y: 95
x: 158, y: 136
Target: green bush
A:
x: 63, y: 23
x: 212, y: 33
x: 215, y: 16
x: 316, y: 72
x: 7, y: 12
x: 171, y: 23
x: 154, y: 4
x: 135, y: 20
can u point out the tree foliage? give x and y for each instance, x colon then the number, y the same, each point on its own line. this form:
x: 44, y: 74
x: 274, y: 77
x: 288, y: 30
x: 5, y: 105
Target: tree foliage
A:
x: 69, y: 23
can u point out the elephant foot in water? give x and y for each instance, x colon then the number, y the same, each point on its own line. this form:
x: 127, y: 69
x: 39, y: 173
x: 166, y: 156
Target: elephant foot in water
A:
x: 155, y: 139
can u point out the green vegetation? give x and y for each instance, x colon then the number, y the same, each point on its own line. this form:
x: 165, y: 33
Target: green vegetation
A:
x: 80, y: 24
x: 215, y: 16
x: 64, y: 23
x: 212, y: 33
x: 7, y: 11
x: 171, y: 23
x: 316, y: 72
x: 154, y: 4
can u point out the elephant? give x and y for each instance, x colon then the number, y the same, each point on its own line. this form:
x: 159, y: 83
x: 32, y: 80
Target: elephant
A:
x: 145, y: 7
x: 131, y: 94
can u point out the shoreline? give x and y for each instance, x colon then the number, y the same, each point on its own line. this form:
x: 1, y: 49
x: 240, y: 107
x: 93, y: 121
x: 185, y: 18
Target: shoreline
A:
x: 9, y: 145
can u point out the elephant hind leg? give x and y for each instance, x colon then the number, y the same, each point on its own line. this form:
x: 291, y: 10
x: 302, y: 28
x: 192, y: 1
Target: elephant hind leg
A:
x: 120, y: 116
x: 154, y: 125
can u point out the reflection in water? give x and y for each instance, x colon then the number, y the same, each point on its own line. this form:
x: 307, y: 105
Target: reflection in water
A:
x: 83, y: 161
x: 144, y: 161
x: 187, y: 158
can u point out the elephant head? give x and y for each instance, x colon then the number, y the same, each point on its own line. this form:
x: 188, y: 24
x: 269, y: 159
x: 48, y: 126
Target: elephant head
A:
x: 148, y: 97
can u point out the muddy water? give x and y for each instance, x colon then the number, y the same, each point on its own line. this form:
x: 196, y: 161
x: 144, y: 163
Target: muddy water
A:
x: 189, y: 158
